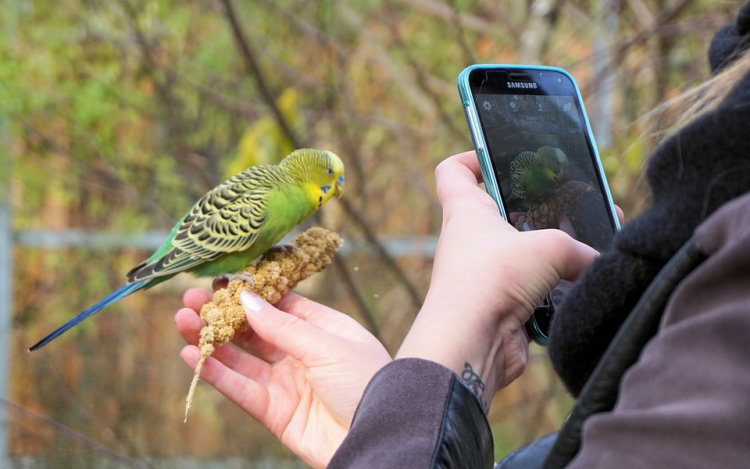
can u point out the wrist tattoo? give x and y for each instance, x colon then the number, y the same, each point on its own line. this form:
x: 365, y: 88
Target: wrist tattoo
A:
x: 475, y: 383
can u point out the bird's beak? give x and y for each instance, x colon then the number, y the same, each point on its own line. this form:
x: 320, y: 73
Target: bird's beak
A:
x: 339, y: 189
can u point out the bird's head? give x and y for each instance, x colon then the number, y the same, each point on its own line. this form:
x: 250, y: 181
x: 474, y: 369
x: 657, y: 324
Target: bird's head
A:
x: 320, y: 171
x: 555, y: 161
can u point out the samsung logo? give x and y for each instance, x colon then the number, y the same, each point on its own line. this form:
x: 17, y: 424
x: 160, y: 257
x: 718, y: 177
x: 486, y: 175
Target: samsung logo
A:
x: 521, y: 84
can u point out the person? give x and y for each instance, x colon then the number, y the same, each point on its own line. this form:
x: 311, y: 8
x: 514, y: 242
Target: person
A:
x: 338, y: 357
x: 332, y: 394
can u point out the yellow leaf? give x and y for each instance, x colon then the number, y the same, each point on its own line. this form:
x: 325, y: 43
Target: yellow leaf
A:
x: 263, y: 142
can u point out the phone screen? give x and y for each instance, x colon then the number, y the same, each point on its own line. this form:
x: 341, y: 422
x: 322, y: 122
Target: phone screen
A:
x: 543, y: 161
x: 537, y: 146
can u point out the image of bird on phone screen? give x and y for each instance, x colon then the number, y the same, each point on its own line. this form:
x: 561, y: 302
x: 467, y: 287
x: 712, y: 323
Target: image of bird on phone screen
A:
x: 543, y: 165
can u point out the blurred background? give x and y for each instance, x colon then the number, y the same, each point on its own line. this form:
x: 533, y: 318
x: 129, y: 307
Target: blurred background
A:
x: 116, y: 115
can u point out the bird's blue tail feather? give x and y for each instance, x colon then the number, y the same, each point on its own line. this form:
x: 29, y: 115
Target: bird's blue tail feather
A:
x: 114, y: 296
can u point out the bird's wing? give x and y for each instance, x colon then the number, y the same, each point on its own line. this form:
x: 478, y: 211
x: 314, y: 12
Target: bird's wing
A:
x: 227, y: 219
x: 524, y: 160
x: 518, y: 166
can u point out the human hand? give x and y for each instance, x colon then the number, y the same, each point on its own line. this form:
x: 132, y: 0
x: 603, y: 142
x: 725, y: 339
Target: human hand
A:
x: 300, y: 369
x: 487, y: 280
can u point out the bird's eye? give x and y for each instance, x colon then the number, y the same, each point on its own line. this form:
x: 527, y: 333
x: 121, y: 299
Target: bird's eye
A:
x: 329, y: 171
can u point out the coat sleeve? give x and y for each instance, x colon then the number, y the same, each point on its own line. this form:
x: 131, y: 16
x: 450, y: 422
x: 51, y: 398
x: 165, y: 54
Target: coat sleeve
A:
x: 686, y: 402
x: 417, y: 414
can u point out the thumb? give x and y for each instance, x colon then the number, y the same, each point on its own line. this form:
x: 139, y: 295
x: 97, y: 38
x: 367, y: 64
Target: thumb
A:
x: 568, y: 256
x: 289, y: 333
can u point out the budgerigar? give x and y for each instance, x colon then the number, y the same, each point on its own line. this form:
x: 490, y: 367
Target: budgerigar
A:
x: 236, y: 222
x: 533, y: 174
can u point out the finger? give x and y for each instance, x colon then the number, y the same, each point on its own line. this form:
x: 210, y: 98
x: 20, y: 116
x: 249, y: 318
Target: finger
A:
x: 242, y: 362
x: 468, y: 160
x: 620, y: 214
x: 577, y: 261
x: 457, y: 181
x: 250, y: 341
x: 196, y: 297
x: 189, y: 325
x: 302, y: 307
x: 458, y: 177
x: 569, y: 257
x: 244, y: 390
x: 287, y: 332
x: 323, y: 317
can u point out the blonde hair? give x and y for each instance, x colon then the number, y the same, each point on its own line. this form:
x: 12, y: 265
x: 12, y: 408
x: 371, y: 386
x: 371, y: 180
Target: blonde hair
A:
x: 676, y: 113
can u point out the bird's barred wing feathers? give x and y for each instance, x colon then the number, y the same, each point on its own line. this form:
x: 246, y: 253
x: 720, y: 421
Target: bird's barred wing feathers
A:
x: 222, y: 222
x: 225, y: 220
x: 525, y: 160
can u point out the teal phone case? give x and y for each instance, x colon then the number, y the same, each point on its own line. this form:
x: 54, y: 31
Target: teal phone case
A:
x: 480, y: 146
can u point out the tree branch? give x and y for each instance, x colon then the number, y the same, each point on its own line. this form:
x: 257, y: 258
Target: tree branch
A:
x: 471, y: 58
x: 73, y: 435
x: 369, y: 319
x: 168, y: 100
x: 423, y: 80
x: 253, y: 68
x: 535, y: 38
x: 390, y: 263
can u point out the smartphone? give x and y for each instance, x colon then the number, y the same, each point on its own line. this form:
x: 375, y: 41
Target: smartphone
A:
x: 538, y: 159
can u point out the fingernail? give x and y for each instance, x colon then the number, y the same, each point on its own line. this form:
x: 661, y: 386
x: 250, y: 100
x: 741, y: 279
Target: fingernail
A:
x: 251, y: 301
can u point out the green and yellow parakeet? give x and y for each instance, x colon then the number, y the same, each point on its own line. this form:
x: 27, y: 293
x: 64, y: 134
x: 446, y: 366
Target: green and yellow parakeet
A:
x: 533, y: 174
x: 234, y: 223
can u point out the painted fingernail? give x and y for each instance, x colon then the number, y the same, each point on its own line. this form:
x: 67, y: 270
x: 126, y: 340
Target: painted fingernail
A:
x: 251, y: 301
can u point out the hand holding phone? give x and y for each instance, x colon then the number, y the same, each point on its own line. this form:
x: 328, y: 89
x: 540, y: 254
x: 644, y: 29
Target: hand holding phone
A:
x: 478, y: 251
x: 538, y: 159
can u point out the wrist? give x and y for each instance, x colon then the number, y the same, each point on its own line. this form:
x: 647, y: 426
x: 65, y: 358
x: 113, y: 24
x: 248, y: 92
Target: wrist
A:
x: 486, y: 349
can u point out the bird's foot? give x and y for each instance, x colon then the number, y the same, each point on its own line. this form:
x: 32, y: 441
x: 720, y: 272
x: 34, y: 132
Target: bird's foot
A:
x: 282, y: 248
x: 242, y: 276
